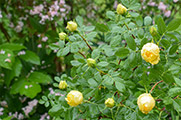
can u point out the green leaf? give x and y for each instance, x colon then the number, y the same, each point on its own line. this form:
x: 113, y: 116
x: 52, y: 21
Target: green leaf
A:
x: 168, y: 77
x: 165, y: 43
x: 16, y: 71
x: 178, y: 81
x: 174, y: 24
x: 147, y: 20
x: 12, y: 46
x: 102, y: 27
x: 31, y: 57
x: 75, y: 63
x: 8, y: 118
x: 130, y: 41
x: 103, y: 64
x: 92, y: 82
x: 39, y: 77
x: 6, y: 58
x: 110, y: 15
x: 177, y: 105
x: 173, y: 49
x: 139, y: 21
x: 95, y: 53
x: 30, y: 89
x: 174, y: 91
x: 122, y: 52
x: 79, y: 20
x: 64, y: 51
x: 17, y: 86
x: 89, y: 28
x: 120, y: 86
x: 36, y: 25
x: 74, y: 47
x: 161, y: 25
x: 55, y: 110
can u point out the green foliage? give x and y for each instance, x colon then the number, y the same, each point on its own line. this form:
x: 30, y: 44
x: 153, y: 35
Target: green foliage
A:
x: 120, y: 72
x: 31, y: 54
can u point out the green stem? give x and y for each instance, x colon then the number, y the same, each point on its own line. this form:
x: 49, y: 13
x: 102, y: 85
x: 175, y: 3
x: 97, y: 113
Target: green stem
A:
x: 128, y: 107
x: 112, y: 114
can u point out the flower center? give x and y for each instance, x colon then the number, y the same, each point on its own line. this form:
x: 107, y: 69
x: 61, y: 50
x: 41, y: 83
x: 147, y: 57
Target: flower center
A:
x: 148, y: 53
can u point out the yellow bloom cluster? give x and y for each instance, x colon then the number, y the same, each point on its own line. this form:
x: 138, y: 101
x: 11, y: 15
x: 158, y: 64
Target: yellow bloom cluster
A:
x: 121, y: 9
x: 150, y: 53
x: 109, y: 102
x: 74, y: 98
x: 145, y: 103
x: 72, y: 26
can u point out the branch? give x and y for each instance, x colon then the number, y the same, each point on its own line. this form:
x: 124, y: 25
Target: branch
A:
x: 129, y: 29
x: 82, y: 54
x: 86, y: 42
x: 5, y: 32
x: 155, y: 85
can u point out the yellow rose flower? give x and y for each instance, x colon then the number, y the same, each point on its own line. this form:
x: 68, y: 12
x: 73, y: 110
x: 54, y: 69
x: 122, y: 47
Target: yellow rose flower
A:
x: 150, y: 53
x: 74, y: 98
x: 72, y: 26
x: 62, y: 85
x: 145, y: 103
x: 109, y: 102
x: 91, y: 62
x: 121, y: 9
x: 62, y: 36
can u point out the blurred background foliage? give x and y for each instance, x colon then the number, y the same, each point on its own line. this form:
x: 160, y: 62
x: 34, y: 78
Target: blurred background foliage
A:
x: 27, y: 27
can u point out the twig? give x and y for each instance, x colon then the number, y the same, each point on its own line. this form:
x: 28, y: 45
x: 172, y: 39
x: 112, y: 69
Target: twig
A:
x: 5, y: 32
x: 129, y: 29
x: 82, y: 54
x: 85, y: 41
x: 155, y: 85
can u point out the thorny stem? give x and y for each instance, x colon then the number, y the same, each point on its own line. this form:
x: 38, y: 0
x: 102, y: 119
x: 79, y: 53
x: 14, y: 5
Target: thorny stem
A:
x: 85, y: 41
x: 129, y: 29
x: 155, y: 85
x: 82, y: 54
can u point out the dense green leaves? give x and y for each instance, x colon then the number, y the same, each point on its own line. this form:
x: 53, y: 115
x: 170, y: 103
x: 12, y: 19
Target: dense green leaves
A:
x: 122, y: 52
x: 31, y: 57
x: 130, y: 41
x: 161, y: 25
x: 174, y: 24
x: 39, y: 77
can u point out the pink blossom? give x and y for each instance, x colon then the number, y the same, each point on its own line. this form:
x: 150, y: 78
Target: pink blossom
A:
x: 1, y: 14
x: 36, y: 10
x: 175, y: 1
x: 44, y: 39
x: 151, y: 3
x: 30, y: 106
x: 39, y: 46
x: 167, y: 13
x: 2, y: 52
x: 162, y: 6
x: 7, y: 60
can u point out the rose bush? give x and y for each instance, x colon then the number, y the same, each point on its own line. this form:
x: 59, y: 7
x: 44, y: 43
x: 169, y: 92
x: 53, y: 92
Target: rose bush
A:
x: 121, y: 69
x: 101, y: 58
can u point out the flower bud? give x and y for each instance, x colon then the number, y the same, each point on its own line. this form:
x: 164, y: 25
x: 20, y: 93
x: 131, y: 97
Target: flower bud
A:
x: 145, y: 103
x: 153, y: 31
x: 72, y: 26
x: 91, y: 62
x: 62, y: 36
x: 109, y: 102
x: 74, y: 98
x: 62, y: 85
x: 150, y: 53
x: 121, y: 10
